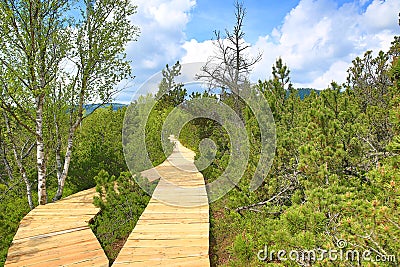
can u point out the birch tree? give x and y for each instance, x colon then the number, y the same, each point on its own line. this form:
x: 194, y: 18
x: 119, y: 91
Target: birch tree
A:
x: 40, y: 38
x: 32, y: 47
x: 19, y: 157
x: 99, y: 59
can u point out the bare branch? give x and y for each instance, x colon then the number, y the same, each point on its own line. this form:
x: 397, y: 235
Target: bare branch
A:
x: 230, y: 66
x: 249, y: 207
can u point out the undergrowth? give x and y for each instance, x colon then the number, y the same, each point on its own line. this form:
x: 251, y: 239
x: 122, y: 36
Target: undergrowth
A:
x: 121, y: 201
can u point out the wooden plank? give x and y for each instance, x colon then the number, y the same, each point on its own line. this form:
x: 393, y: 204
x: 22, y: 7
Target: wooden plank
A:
x: 172, y: 231
x: 157, y: 243
x: 196, y: 261
x: 174, y: 228
x: 57, y: 234
x: 58, y: 254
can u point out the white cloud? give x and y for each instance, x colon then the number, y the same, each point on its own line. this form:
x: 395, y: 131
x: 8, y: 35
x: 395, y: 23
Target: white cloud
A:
x: 162, y: 24
x: 381, y: 15
x: 336, y: 72
x: 197, y: 51
x: 318, y: 40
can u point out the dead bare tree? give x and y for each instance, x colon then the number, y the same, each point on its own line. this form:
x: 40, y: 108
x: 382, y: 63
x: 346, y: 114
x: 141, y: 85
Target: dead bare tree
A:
x: 230, y: 66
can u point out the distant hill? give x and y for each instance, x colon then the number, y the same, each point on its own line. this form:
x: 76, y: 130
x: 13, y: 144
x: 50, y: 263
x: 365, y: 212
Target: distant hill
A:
x: 303, y: 92
x: 91, y: 107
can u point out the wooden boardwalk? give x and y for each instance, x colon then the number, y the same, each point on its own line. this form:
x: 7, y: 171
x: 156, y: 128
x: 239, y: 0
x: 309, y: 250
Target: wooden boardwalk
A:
x: 58, y: 234
x: 172, y: 231
x: 174, y: 228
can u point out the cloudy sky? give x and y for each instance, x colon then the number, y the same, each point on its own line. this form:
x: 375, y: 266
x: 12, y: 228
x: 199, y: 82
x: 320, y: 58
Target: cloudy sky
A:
x: 317, y: 39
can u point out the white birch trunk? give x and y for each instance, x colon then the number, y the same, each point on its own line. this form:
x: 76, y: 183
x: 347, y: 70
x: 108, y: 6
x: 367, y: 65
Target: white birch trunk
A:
x: 67, y: 161
x: 27, y: 184
x: 40, y: 155
x: 25, y: 178
x: 58, y: 151
x: 70, y: 143
x: 21, y: 167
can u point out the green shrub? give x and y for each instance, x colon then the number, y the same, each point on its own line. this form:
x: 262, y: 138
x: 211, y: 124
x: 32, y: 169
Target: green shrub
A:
x: 121, y: 201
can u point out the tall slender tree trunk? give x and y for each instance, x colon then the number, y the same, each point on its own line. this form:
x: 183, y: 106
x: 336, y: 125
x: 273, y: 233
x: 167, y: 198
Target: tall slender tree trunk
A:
x: 24, y: 175
x: 26, y: 181
x: 21, y: 167
x: 28, y: 187
x: 40, y: 155
x: 63, y: 175
x: 5, y: 161
x: 58, y: 151
x: 68, y: 154
x: 58, y: 162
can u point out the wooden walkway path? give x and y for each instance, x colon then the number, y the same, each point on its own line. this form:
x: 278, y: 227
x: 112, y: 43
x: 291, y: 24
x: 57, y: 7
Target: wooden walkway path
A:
x: 174, y: 228
x: 58, y: 234
x: 172, y: 231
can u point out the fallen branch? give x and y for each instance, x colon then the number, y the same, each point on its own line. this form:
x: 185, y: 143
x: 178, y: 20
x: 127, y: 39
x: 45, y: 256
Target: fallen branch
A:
x: 251, y: 206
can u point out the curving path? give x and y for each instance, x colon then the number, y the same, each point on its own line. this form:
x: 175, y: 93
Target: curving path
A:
x: 172, y: 231
x: 58, y: 234
x: 174, y: 228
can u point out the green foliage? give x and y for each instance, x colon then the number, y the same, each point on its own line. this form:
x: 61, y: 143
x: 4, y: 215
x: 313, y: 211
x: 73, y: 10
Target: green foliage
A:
x: 242, y: 248
x: 198, y: 129
x: 170, y: 94
x: 98, y: 147
x: 335, y: 173
x: 121, y: 201
x: 153, y: 130
x: 143, y: 132
x: 13, y: 208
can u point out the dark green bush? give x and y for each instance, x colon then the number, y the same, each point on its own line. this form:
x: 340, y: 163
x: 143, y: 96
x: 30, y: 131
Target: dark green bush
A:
x: 121, y: 201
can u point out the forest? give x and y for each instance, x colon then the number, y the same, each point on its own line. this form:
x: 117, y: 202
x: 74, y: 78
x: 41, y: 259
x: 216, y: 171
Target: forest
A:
x: 334, y: 176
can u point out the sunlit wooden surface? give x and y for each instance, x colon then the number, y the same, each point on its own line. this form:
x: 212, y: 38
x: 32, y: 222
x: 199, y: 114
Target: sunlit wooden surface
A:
x: 174, y: 228
x: 57, y: 234
x: 172, y: 231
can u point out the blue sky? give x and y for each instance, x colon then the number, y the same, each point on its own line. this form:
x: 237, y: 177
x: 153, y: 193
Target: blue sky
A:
x: 262, y: 17
x: 317, y: 39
